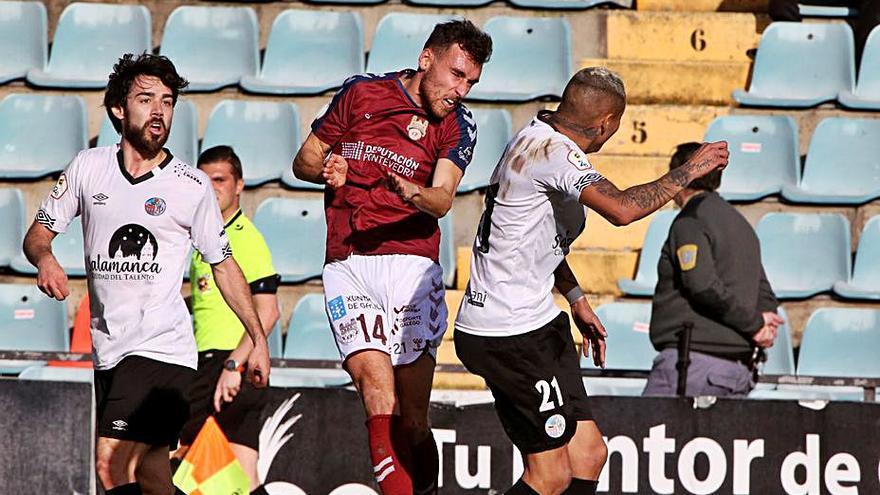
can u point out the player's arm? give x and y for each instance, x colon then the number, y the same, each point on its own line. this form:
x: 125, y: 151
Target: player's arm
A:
x: 634, y: 203
x: 37, y: 247
x: 586, y: 320
x: 314, y: 163
x: 435, y: 200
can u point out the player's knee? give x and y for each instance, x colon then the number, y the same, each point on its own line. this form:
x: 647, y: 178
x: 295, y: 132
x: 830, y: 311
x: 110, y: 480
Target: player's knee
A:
x: 111, y: 471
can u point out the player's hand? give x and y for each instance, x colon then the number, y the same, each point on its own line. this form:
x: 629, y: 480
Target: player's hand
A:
x: 772, y: 319
x: 404, y: 188
x: 709, y: 157
x: 51, y: 278
x: 335, y: 171
x: 258, y: 364
x: 591, y: 329
x: 227, y: 388
x: 764, y: 337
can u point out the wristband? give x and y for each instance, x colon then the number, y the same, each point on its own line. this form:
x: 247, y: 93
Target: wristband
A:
x: 574, y: 295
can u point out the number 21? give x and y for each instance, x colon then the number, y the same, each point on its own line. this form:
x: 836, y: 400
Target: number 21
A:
x: 544, y: 387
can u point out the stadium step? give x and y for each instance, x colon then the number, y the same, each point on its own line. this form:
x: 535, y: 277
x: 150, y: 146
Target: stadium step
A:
x: 681, y: 36
x: 682, y: 83
x: 658, y: 129
x: 757, y: 6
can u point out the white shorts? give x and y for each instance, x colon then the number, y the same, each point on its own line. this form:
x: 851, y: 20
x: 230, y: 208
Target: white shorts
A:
x: 391, y: 303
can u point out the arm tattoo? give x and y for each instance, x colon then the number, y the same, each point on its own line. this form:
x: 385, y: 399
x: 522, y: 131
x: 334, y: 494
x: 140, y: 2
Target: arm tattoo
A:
x: 564, y: 279
x: 648, y: 196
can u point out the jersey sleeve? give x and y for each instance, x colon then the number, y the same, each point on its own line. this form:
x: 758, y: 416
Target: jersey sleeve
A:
x: 460, y: 138
x: 207, y: 230
x: 332, y: 124
x: 567, y: 171
x: 62, y: 204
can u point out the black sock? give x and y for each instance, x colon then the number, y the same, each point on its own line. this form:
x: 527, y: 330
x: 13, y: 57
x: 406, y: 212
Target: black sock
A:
x: 178, y: 491
x: 521, y: 488
x: 426, y: 464
x: 260, y: 490
x: 127, y: 489
x: 581, y: 487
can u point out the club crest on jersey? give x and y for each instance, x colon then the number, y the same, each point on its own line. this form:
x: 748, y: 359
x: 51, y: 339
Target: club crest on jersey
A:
x: 60, y: 187
x: 155, y: 206
x: 578, y: 159
x: 417, y: 128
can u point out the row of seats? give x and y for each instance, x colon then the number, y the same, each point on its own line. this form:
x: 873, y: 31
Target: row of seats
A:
x: 803, y: 255
x: 308, y: 52
x: 279, y: 220
x: 803, y: 65
x: 40, y: 134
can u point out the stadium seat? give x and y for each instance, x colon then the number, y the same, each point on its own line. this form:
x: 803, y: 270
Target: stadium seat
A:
x: 809, y: 393
x: 451, y: 3
x: 804, y: 254
x: 842, y: 164
x: 265, y: 135
x: 820, y: 8
x: 801, y: 65
x: 531, y: 58
x: 780, y: 357
x: 309, y: 52
x: 23, y: 42
x: 12, y: 224
x: 81, y: 337
x: 764, y: 155
x: 447, y: 249
x: 89, y: 39
x: 569, y: 4
x: 212, y: 47
x: 867, y: 93
x: 399, y: 40
x: 620, y: 387
x: 183, y: 142
x: 295, y: 232
x: 627, y: 325
x: 67, y: 248
x: 494, y: 131
x: 646, y: 274
x: 57, y: 374
x: 276, y: 342
x: 40, y: 134
x: 31, y: 322
x: 309, y: 337
x: 841, y: 342
x: 865, y: 282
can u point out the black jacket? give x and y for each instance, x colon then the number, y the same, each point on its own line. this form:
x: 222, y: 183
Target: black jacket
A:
x: 710, y: 273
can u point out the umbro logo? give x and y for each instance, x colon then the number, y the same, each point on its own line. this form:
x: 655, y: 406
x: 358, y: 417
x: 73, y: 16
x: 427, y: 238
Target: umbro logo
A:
x: 100, y: 199
x: 120, y: 425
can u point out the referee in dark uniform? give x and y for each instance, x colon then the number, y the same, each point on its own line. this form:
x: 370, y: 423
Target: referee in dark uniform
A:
x: 710, y: 276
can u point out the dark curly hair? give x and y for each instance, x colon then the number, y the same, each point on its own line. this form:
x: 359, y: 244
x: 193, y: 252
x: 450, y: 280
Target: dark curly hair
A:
x: 128, y: 68
x: 476, y: 43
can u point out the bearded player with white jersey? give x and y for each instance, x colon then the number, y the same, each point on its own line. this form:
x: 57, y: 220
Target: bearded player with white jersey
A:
x: 141, y: 210
x: 509, y: 330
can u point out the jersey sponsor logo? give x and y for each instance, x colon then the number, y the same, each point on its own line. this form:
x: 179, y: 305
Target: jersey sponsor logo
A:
x: 348, y: 331
x: 336, y: 308
x: 562, y: 243
x: 555, y: 426
x: 120, y: 425
x: 43, y: 218
x: 417, y: 128
x: 129, y: 241
x: 155, y: 206
x: 60, y: 187
x: 100, y: 199
x: 687, y: 257
x: 577, y: 158
x: 399, y: 164
x: 475, y: 298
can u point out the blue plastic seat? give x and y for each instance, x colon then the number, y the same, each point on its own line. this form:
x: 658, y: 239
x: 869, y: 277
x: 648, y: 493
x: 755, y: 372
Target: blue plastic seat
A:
x: 804, y: 254
x: 309, y: 336
x: 867, y: 92
x: 31, y: 321
x: 23, y: 42
x: 57, y: 374
x: 447, y: 249
x: 12, y: 224
x: 841, y: 342
x: 67, y: 248
x: 865, y: 282
x: 212, y: 47
x: 451, y: 3
x: 399, y: 40
x: 265, y: 135
x: 309, y: 52
x: 646, y: 273
x: 820, y: 8
x: 89, y: 40
x: 842, y: 164
x: 764, y: 155
x: 531, y: 58
x: 183, y: 141
x: 40, y: 134
x: 801, y: 65
x: 628, y: 326
x: 494, y: 131
x: 780, y: 357
x: 570, y: 4
x: 612, y: 386
x: 296, y: 233
x: 276, y: 341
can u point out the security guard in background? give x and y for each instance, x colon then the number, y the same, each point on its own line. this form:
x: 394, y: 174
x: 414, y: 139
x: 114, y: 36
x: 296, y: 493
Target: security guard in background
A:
x: 710, y: 276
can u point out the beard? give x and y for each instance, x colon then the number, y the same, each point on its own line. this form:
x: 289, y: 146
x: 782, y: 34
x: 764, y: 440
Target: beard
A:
x: 434, y: 98
x: 145, y: 143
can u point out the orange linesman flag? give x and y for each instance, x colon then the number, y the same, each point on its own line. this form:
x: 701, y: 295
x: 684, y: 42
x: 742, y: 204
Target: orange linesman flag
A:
x: 210, y: 466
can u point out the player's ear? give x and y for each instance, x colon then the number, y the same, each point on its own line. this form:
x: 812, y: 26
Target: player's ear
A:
x: 118, y: 111
x: 239, y: 186
x: 426, y: 58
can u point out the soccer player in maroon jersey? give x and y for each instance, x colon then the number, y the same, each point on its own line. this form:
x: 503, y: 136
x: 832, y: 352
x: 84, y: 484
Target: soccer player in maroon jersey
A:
x: 392, y: 149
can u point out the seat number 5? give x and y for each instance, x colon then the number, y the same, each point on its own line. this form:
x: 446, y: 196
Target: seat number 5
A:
x: 544, y: 387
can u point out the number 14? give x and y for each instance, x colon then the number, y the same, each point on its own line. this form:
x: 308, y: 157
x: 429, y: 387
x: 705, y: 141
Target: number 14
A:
x: 544, y: 387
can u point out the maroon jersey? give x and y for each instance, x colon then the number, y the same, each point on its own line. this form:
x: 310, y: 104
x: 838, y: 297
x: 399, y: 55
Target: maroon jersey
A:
x: 374, y: 124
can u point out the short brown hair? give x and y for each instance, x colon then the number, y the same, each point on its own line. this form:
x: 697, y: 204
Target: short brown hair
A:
x: 476, y: 43
x: 683, y: 153
x: 222, y: 153
x: 126, y: 71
